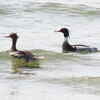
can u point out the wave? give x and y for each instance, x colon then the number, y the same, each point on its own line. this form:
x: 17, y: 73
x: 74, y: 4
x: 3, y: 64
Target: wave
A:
x: 51, y: 55
x: 81, y: 80
x: 51, y: 58
x: 47, y: 54
x: 84, y: 84
x: 56, y: 7
x: 4, y: 55
x: 68, y: 2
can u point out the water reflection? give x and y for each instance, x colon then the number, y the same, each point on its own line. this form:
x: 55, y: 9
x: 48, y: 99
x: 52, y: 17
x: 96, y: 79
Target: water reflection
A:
x: 18, y: 64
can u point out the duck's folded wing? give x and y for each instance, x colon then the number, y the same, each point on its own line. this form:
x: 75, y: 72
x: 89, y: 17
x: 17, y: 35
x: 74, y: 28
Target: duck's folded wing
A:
x: 26, y: 55
x: 18, y: 54
x: 80, y: 45
x: 85, y: 48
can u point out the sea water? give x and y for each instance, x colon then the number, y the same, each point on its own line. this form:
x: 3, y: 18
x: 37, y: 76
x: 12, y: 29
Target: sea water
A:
x: 59, y: 76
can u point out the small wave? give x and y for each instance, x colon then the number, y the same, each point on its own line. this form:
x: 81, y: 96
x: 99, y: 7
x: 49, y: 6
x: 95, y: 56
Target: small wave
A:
x: 60, y: 7
x: 84, y: 84
x: 4, y: 55
x: 76, y: 80
x: 55, y: 58
x: 50, y: 55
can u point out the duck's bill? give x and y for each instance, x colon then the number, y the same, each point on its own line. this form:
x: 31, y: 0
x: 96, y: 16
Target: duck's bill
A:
x: 57, y: 31
x: 6, y: 36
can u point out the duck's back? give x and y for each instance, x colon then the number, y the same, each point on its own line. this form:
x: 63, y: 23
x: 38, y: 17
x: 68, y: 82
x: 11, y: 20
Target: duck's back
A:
x: 26, y: 55
x: 84, y: 48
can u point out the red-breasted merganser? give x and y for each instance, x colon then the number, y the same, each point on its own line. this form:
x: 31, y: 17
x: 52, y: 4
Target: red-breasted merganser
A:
x: 79, y: 48
x: 21, y: 54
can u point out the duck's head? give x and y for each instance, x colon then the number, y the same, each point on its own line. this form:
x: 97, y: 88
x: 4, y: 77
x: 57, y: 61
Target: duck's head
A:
x: 65, y: 31
x: 12, y: 35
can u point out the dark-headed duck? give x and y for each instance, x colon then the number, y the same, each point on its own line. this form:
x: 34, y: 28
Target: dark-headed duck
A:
x: 79, y: 48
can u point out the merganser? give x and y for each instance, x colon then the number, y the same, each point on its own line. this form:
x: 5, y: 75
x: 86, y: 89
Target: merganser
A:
x: 79, y: 48
x: 21, y: 54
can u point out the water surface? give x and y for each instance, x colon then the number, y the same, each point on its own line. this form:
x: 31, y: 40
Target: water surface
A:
x: 59, y: 76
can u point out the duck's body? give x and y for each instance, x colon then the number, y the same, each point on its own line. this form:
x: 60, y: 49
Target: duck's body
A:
x: 74, y: 48
x: 26, y: 55
x: 21, y: 54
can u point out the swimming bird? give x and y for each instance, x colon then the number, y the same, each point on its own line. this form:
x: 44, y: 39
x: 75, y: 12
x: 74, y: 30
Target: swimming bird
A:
x: 21, y: 54
x: 79, y: 48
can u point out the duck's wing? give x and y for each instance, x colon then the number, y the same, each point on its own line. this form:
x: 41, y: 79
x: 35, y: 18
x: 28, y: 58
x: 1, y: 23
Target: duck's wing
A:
x: 85, y: 48
x: 30, y: 55
x: 17, y: 54
x: 80, y: 45
x: 24, y: 55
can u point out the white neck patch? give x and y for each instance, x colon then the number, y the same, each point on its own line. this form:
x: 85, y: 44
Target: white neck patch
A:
x: 65, y: 39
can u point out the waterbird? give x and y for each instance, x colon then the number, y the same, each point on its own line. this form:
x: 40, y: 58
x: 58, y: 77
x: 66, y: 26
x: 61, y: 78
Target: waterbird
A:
x: 66, y: 47
x: 21, y: 54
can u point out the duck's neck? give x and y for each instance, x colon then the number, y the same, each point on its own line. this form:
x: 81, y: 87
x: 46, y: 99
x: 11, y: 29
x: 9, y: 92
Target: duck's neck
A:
x: 13, y: 48
x: 65, y: 45
x: 66, y: 39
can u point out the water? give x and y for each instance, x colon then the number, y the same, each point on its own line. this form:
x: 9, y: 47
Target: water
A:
x: 58, y: 76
